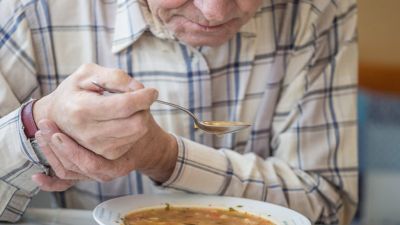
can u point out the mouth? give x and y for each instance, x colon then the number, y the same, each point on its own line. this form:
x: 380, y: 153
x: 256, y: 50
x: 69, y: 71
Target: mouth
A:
x: 212, y: 28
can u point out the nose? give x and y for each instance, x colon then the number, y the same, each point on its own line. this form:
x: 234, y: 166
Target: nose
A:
x: 215, y: 10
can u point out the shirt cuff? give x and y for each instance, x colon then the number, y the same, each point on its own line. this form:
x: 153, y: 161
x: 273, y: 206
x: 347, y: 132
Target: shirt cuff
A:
x: 209, y: 167
x: 7, y: 192
x: 13, y: 202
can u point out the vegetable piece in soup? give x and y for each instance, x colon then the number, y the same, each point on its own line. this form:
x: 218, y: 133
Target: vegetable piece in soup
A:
x: 192, y: 216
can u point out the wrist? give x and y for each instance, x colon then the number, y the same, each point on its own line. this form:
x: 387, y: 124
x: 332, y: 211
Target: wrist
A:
x: 40, y: 110
x: 164, y: 166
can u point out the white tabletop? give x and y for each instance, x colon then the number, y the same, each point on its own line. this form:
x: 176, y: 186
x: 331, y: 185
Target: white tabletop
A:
x: 35, y: 216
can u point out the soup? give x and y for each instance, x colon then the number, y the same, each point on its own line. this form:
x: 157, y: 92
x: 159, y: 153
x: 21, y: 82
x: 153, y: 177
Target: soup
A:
x: 192, y: 216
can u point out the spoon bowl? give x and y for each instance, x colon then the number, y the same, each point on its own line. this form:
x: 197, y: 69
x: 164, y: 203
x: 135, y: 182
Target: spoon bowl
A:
x: 213, y: 127
x: 221, y: 127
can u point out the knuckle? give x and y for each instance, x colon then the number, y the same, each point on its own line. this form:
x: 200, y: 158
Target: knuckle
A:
x: 86, y: 67
x: 118, y: 72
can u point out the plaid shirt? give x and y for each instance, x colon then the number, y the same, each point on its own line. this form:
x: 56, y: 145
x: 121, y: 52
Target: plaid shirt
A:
x: 291, y: 71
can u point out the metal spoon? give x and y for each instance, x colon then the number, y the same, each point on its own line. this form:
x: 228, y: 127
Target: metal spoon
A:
x: 213, y: 127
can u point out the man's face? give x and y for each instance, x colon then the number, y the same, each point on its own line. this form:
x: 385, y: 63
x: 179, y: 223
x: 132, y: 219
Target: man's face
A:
x: 204, y: 22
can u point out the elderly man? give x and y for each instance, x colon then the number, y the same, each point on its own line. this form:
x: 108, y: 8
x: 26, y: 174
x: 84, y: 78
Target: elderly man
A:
x: 288, y: 67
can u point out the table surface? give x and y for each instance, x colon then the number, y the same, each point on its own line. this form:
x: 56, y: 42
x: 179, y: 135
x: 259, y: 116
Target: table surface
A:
x: 36, y: 216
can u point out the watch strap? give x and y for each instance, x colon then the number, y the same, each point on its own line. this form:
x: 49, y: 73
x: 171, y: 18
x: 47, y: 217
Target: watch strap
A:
x: 28, y: 120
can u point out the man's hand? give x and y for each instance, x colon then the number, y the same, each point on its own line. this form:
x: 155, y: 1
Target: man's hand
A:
x: 107, y: 125
x: 153, y: 156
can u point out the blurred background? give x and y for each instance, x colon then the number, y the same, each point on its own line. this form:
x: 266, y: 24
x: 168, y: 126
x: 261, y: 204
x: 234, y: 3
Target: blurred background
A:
x: 379, y: 112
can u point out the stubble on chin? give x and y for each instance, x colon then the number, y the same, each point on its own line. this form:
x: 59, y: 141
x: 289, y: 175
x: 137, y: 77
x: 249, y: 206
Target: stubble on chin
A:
x: 178, y: 27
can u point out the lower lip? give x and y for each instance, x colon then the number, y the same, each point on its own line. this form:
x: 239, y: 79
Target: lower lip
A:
x: 210, y: 29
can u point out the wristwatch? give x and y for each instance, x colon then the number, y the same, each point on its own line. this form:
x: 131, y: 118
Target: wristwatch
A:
x: 28, y: 120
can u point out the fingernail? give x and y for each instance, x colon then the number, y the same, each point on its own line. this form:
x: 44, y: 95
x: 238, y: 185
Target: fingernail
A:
x: 155, y: 95
x: 56, y: 139
x: 44, y: 127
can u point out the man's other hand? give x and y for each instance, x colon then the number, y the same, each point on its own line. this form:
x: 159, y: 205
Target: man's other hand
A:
x: 153, y: 155
x: 105, y: 124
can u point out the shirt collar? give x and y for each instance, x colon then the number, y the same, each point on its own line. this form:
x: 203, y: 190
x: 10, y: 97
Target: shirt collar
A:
x: 130, y: 24
x: 133, y: 18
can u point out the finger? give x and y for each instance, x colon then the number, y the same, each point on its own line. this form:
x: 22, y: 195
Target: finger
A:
x: 92, y: 165
x: 59, y: 169
x: 116, y: 79
x: 135, y: 125
x: 60, y: 166
x: 119, y: 135
x: 69, y: 170
x: 47, y: 127
x: 123, y: 105
x: 59, y: 155
x: 47, y: 183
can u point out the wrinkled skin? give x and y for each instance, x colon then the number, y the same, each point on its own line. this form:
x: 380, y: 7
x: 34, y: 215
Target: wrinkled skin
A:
x: 84, y: 135
x: 89, y: 135
x: 204, y: 22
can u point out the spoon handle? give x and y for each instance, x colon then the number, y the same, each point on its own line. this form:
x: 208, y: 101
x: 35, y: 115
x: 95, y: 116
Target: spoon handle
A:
x: 178, y: 107
x: 158, y: 101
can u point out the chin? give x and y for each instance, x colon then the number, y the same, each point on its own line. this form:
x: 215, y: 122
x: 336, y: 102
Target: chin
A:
x: 195, y: 35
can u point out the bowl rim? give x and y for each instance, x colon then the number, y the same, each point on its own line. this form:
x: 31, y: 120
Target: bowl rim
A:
x: 163, y: 198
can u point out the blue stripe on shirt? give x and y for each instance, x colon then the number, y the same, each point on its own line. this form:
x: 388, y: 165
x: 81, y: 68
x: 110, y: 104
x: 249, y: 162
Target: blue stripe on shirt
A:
x: 191, y: 103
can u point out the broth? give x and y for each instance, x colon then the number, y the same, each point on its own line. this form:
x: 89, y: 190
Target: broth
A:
x: 192, y: 216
